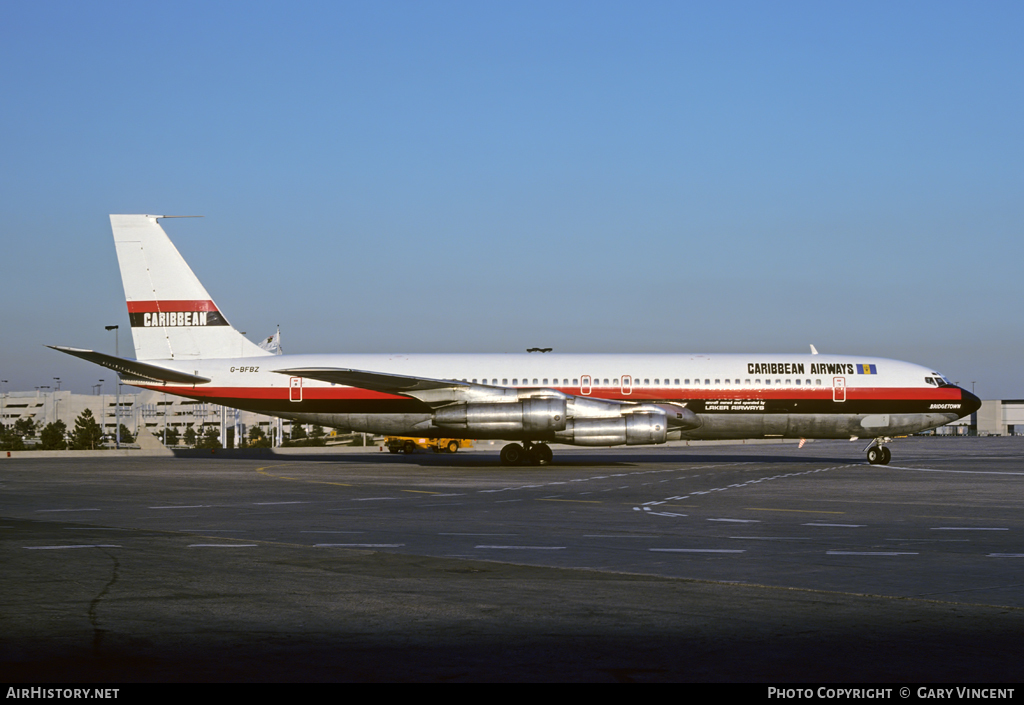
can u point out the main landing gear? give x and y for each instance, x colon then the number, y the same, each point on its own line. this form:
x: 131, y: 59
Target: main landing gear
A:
x: 878, y: 454
x: 532, y: 453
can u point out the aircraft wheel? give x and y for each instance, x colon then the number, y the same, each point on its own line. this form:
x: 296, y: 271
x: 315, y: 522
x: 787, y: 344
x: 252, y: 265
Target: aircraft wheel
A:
x: 886, y: 456
x: 512, y: 454
x: 542, y: 454
x: 453, y: 446
x: 876, y: 455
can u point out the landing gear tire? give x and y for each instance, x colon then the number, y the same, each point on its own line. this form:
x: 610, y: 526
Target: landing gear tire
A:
x: 879, y: 455
x: 542, y: 454
x: 513, y: 454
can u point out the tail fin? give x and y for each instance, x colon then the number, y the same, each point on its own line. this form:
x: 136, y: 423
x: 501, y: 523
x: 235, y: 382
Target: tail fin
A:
x: 172, y: 316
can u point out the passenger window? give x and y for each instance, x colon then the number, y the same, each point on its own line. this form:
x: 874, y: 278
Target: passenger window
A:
x: 535, y: 381
x: 707, y: 382
x: 504, y: 381
x: 676, y: 382
x: 718, y: 381
x: 575, y: 382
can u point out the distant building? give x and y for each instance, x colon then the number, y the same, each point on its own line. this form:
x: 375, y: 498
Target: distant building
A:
x: 996, y: 417
x: 140, y: 411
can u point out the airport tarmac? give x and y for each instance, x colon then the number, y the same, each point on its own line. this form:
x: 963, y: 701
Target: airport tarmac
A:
x: 718, y: 563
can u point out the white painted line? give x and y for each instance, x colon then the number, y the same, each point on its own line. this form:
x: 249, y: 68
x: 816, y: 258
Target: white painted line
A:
x: 1005, y: 555
x: 697, y: 550
x: 358, y: 545
x: 85, y: 545
x: 223, y: 545
x: 620, y: 536
x: 870, y: 553
x: 185, y: 506
x: 739, y: 521
x: 372, y: 499
x: 43, y: 511
x: 262, y: 504
x: 772, y: 538
x: 846, y: 526
x: 968, y: 528
x: 526, y: 548
x: 958, y: 472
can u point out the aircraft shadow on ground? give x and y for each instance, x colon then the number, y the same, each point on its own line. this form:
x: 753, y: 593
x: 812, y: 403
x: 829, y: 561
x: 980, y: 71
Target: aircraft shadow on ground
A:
x: 563, y: 458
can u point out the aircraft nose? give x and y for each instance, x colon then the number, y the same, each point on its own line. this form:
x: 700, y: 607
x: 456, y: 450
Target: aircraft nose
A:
x: 971, y: 403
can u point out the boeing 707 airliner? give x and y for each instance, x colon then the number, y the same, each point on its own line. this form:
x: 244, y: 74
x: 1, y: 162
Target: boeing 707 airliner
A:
x: 185, y: 346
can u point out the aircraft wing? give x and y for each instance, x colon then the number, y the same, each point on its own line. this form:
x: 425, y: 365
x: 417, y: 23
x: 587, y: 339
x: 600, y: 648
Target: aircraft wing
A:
x: 375, y: 381
x: 431, y: 391
x: 133, y: 368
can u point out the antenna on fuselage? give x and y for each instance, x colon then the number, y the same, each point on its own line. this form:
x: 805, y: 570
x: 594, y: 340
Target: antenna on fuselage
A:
x: 814, y: 350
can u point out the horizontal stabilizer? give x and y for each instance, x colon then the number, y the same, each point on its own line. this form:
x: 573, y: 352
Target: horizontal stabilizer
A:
x: 133, y: 368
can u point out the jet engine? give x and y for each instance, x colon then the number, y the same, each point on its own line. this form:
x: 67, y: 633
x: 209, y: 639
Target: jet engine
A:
x: 541, y: 416
x: 637, y: 428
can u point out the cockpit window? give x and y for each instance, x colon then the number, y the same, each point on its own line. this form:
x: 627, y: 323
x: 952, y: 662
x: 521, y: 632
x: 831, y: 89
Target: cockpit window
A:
x: 938, y: 381
x: 930, y: 380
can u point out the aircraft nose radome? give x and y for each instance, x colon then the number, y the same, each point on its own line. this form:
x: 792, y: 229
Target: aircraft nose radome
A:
x: 971, y: 402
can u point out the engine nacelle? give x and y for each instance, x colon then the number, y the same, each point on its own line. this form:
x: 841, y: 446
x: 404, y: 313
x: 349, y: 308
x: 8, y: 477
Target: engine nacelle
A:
x: 540, y: 416
x: 637, y: 428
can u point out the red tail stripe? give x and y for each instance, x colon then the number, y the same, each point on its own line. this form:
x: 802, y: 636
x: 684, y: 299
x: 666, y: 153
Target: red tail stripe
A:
x: 155, y: 306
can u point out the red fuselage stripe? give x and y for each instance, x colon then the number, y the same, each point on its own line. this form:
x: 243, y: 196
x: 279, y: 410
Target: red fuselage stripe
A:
x: 180, y: 305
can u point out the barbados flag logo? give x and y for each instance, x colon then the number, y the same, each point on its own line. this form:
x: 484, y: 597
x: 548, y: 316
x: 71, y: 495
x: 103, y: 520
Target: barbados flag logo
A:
x: 867, y: 369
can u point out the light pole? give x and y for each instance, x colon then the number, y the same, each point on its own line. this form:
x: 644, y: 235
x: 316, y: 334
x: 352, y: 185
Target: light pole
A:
x: 117, y: 392
x: 43, y: 386
x: 3, y: 395
x: 103, y: 410
x: 56, y: 400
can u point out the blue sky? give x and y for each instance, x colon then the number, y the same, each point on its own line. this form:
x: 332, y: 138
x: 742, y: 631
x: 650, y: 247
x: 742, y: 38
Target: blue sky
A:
x: 487, y: 177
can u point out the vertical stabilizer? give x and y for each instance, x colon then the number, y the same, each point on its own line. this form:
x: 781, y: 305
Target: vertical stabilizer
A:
x: 172, y: 316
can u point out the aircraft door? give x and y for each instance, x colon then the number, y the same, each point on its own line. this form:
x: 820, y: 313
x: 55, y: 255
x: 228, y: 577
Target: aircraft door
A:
x: 627, y: 384
x: 839, y: 389
x: 585, y: 385
x: 295, y: 389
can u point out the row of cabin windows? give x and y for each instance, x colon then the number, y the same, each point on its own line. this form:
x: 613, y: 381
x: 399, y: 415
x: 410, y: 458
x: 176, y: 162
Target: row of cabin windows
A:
x: 646, y: 382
